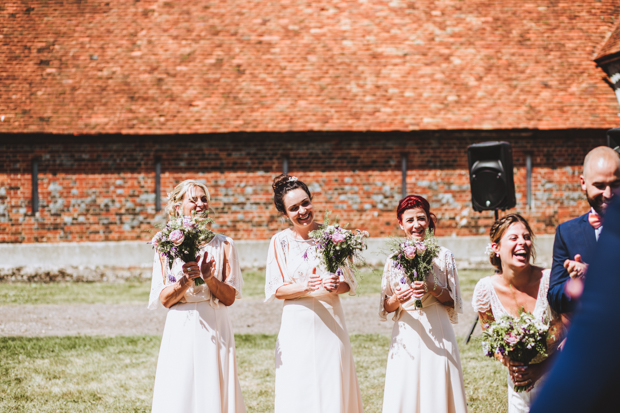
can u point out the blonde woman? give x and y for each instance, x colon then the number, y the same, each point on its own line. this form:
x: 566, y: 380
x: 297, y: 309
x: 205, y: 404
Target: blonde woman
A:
x: 197, y: 368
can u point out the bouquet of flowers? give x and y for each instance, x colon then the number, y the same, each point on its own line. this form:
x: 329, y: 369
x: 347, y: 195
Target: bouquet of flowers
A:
x: 522, y: 339
x: 181, y: 238
x: 415, y: 258
x: 335, y: 245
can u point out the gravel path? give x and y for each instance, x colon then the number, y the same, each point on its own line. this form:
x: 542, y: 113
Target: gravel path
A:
x: 250, y: 316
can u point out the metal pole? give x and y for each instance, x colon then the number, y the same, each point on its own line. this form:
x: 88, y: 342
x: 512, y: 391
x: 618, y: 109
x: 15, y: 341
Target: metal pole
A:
x: 404, y: 175
x: 471, y: 330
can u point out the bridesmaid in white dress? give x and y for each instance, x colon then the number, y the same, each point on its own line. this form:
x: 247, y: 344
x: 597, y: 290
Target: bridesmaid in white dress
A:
x: 197, y: 367
x: 424, y: 367
x: 315, y: 372
x: 516, y: 285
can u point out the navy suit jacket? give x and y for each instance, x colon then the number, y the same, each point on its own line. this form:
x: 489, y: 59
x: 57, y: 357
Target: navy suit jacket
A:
x: 572, y: 237
x: 585, y: 375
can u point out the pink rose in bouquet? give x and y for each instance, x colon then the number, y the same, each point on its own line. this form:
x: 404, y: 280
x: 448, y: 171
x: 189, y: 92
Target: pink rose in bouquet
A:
x: 176, y: 237
x: 409, y: 252
x: 421, y: 248
x: 338, y: 237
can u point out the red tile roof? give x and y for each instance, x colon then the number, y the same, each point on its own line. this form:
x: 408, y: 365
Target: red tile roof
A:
x: 610, y: 47
x: 182, y: 66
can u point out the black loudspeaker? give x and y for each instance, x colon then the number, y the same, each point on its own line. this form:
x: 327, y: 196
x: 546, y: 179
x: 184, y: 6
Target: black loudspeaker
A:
x: 613, y: 139
x: 490, y: 176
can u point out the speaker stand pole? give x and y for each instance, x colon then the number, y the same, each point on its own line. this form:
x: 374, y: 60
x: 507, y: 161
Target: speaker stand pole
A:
x: 473, y: 326
x: 471, y: 331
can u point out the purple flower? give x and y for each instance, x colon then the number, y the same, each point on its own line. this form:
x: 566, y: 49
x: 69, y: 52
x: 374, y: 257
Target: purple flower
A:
x: 306, y: 255
x: 176, y: 237
x: 409, y: 252
x: 403, y: 280
x: 171, y: 278
x: 339, y: 272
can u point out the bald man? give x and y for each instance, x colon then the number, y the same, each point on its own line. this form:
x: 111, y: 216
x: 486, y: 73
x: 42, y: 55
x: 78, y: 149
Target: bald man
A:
x: 575, y: 240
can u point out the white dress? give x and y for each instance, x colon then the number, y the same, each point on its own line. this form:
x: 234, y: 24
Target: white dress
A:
x: 485, y: 299
x: 424, y: 366
x: 197, y: 367
x: 315, y: 372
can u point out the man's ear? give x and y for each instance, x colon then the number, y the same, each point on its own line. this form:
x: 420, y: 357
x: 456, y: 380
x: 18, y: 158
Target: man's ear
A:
x: 582, y: 180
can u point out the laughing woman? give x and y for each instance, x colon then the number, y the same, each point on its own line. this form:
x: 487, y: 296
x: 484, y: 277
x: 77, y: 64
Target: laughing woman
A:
x: 517, y: 285
x: 424, y: 368
x: 197, y: 369
x: 315, y: 372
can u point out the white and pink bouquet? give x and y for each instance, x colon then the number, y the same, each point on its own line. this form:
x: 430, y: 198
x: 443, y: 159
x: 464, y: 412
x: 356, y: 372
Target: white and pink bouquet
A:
x: 182, y: 238
x: 336, y: 245
x: 415, y: 258
x: 522, y: 339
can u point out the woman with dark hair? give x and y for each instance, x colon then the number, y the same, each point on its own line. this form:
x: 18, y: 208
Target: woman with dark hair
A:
x: 424, y: 368
x: 516, y: 285
x: 315, y: 371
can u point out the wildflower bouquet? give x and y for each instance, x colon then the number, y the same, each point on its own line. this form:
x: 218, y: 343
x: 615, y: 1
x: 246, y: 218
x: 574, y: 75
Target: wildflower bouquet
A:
x: 335, y: 245
x: 415, y: 258
x: 182, y: 238
x: 521, y: 339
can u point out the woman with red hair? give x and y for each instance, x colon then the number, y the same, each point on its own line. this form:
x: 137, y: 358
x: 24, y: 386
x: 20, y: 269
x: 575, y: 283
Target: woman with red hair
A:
x: 424, y: 368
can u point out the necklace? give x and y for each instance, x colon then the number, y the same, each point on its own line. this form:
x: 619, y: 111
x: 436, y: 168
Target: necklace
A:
x: 514, y: 295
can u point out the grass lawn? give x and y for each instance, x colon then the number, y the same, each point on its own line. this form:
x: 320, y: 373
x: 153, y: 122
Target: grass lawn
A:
x: 96, y: 374
x: 137, y: 292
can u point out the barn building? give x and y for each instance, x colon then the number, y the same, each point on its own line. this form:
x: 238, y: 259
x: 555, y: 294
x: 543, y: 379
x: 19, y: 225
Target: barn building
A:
x: 105, y: 105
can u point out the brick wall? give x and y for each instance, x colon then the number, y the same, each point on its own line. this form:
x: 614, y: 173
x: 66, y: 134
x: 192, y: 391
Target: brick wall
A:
x: 101, y: 188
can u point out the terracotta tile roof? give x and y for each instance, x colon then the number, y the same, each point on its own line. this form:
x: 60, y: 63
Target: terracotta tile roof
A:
x: 247, y: 65
x: 610, y: 47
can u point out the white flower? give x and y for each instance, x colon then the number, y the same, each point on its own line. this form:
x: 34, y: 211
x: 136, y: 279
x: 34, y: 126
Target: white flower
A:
x: 489, y: 249
x: 292, y: 178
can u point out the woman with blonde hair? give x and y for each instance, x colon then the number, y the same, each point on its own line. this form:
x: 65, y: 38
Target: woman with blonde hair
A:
x: 516, y: 286
x: 197, y: 368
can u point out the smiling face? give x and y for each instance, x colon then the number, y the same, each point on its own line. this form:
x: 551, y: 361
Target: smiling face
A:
x: 298, y: 207
x: 515, y: 246
x: 414, y: 223
x: 194, y: 199
x: 601, y: 181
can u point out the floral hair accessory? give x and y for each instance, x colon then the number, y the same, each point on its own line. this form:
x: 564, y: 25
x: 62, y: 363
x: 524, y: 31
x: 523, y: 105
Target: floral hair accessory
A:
x: 489, y: 249
x: 292, y: 178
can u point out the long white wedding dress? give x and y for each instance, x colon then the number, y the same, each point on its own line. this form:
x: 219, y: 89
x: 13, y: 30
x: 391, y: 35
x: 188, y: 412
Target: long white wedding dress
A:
x: 424, y: 367
x: 197, y: 367
x: 485, y: 299
x: 315, y: 372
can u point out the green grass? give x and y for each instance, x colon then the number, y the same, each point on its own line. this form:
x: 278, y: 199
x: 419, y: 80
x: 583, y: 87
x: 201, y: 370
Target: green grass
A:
x: 96, y: 374
x: 136, y: 292
x: 130, y: 292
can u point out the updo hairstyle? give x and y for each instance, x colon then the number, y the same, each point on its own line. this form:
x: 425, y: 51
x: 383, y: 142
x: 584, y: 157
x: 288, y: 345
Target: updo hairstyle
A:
x: 175, y: 198
x: 416, y: 201
x: 497, y: 232
x: 282, y: 184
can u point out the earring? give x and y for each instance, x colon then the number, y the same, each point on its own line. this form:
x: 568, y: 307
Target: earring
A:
x: 497, y: 254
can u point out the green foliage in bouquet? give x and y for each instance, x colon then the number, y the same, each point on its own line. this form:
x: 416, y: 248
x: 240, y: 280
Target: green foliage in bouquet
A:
x: 182, y: 238
x: 335, y: 245
x: 414, y: 258
x: 522, y: 339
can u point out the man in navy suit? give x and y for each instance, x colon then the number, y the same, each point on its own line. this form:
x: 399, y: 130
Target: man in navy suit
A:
x: 584, y: 377
x: 575, y: 240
